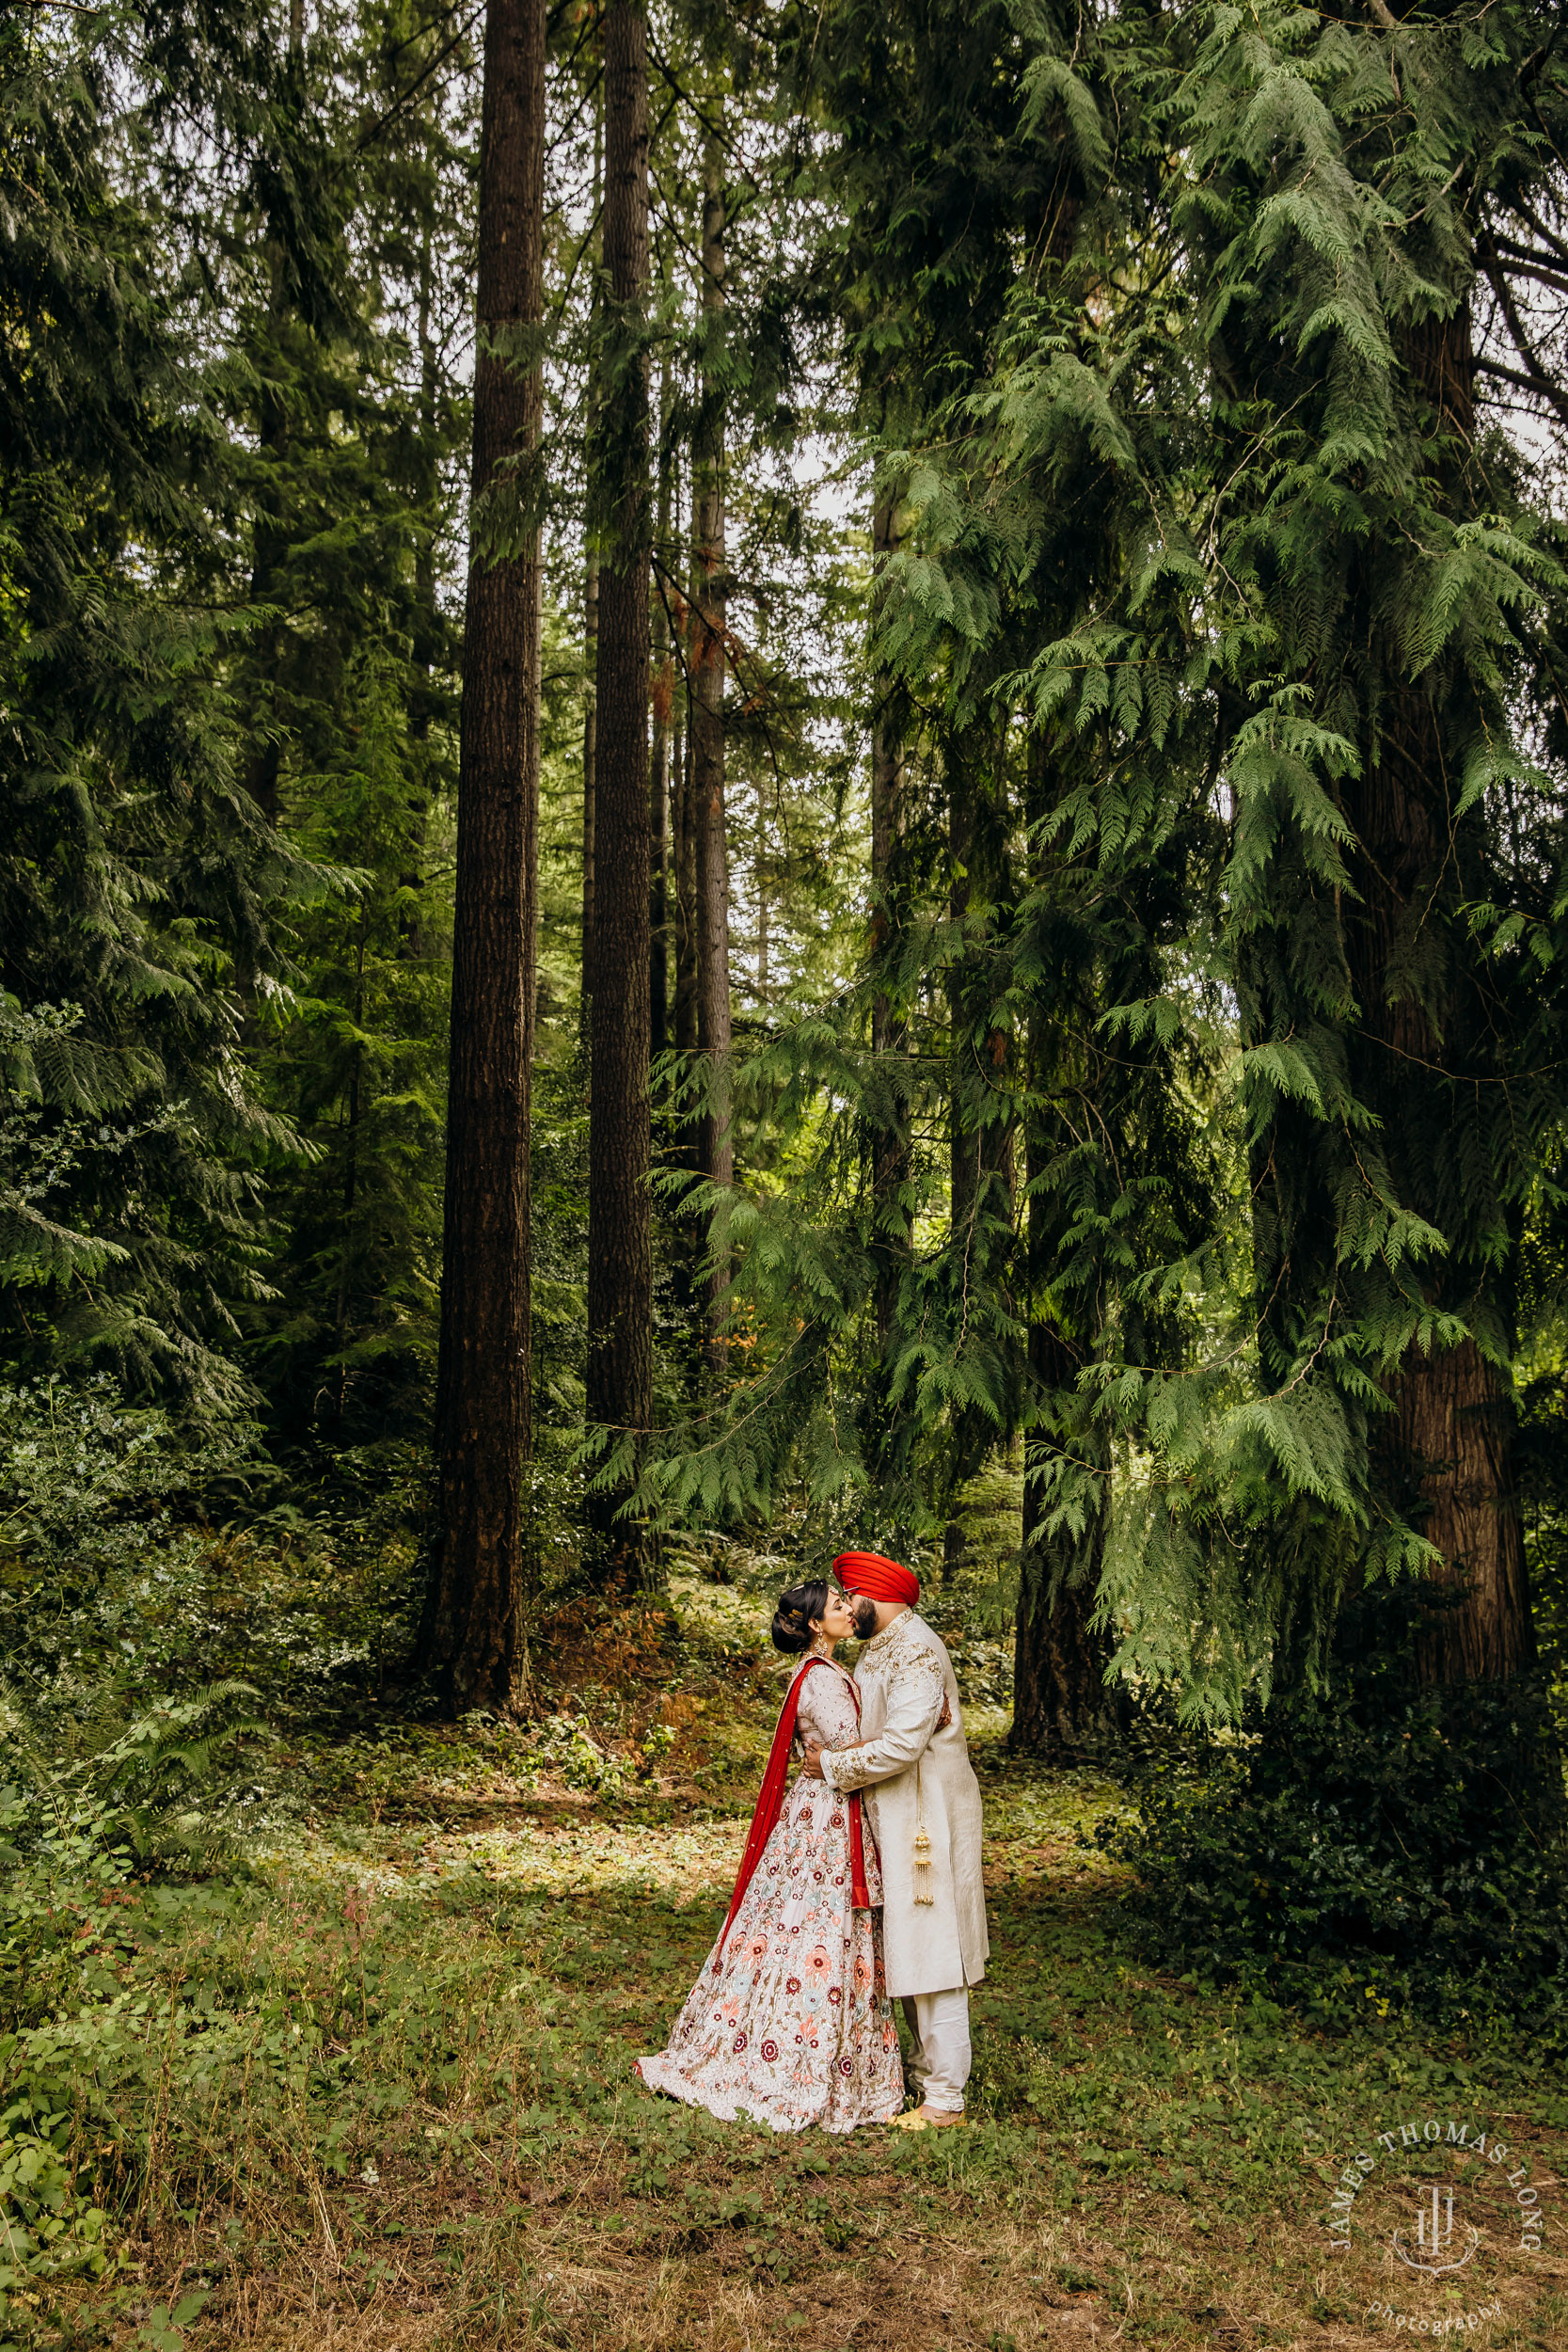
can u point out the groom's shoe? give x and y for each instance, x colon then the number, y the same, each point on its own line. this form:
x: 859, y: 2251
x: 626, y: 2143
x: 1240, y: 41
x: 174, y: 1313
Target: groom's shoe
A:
x: 928, y: 2119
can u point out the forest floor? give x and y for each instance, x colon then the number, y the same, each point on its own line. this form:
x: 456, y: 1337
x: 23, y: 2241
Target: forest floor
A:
x: 377, y: 2094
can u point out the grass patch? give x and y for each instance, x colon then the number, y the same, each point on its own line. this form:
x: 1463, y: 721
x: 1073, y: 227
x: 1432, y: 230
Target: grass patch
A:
x: 378, y: 2092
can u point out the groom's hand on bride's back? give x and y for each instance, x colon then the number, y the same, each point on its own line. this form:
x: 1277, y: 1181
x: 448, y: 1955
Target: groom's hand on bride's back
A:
x: 814, y: 1760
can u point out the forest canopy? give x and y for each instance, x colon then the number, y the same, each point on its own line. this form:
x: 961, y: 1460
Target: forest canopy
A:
x: 755, y: 762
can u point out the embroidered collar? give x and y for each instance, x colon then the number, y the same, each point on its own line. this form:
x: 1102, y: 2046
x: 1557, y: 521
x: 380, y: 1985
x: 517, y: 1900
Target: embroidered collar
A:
x: 881, y: 1643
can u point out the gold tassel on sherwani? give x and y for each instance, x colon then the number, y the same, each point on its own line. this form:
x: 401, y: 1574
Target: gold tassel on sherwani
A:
x: 921, y: 1892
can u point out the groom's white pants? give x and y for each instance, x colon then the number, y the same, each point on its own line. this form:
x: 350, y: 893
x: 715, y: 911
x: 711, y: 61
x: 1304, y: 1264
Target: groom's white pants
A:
x: 940, y: 2024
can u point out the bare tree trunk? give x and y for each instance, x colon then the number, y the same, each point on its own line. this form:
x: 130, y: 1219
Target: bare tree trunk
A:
x: 658, y: 828
x: 620, y: 1265
x: 270, y: 540
x: 685, y: 861
x: 691, y: 1292
x: 963, y: 1148
x: 760, y: 878
x: 589, y: 759
x: 590, y: 582
x: 351, y: 1169
x: 427, y: 623
x: 470, y: 1635
x: 890, y: 1170
x: 707, y: 718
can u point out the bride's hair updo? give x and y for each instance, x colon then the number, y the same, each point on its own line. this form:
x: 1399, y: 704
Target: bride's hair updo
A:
x: 794, y: 1614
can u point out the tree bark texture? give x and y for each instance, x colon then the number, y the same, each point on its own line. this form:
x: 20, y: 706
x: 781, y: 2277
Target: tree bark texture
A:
x: 591, y: 576
x: 270, y: 548
x: 659, y: 786
x: 589, y: 759
x: 890, y: 1151
x: 1448, y: 1442
x: 1062, y: 1704
x: 686, y: 1271
x: 711, y: 587
x: 759, y: 877
x: 620, y: 1267
x: 470, y: 1635
x: 684, y: 861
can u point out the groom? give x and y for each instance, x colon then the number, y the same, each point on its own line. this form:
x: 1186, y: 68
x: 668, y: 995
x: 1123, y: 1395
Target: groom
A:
x: 912, y: 1759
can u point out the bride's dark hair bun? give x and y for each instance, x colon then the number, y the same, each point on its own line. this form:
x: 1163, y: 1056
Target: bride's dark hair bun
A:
x: 795, y: 1614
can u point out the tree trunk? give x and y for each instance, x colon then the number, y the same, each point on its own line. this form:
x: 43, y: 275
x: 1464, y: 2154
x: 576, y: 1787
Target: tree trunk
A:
x: 707, y: 724
x: 620, y: 1267
x: 890, y: 1161
x: 351, y: 1172
x: 689, y: 1290
x: 981, y: 1145
x: 963, y: 1188
x: 1062, y: 1704
x: 590, y: 758
x: 685, y: 861
x: 759, y: 876
x: 1449, y: 1442
x: 1455, y: 1431
x: 590, y: 569
x: 270, y: 547
x: 426, y: 489
x: 658, y: 788
x: 471, y: 1639
x: 1446, y: 1449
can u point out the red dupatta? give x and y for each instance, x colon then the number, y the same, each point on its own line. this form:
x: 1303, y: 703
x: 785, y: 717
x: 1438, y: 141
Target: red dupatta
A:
x: 771, y: 1803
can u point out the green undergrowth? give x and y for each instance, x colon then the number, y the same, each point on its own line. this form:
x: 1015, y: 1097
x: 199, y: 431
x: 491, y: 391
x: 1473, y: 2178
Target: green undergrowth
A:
x: 321, y: 2018
x: 423, y: 2098
x: 1378, y: 1839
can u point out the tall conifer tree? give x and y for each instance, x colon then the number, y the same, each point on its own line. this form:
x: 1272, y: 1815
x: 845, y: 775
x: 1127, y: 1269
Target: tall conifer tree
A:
x: 710, y: 593
x: 619, y: 1261
x: 1401, y: 1093
x: 472, y: 1633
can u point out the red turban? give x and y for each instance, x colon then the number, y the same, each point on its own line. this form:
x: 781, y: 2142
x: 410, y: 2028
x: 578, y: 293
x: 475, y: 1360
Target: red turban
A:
x: 878, y: 1578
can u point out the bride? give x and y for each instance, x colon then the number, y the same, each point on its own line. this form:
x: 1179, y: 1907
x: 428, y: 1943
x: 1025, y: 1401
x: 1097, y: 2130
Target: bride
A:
x: 789, y: 2021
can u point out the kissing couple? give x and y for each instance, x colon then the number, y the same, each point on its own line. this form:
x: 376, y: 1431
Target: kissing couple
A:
x: 844, y: 1904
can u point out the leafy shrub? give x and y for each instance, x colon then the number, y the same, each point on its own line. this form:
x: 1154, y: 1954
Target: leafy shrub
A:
x: 564, y: 1743
x: 1382, y: 1838
x: 113, y: 1755
x: 96, y: 1563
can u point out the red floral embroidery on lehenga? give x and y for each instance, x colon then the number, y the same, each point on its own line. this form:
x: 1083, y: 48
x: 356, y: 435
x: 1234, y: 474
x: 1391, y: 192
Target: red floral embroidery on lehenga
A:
x: 789, y: 2021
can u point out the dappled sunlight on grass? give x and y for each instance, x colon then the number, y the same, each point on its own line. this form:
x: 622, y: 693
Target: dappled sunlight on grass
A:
x: 380, y: 2094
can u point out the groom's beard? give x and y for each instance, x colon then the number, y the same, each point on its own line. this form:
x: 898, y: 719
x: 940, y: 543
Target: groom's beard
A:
x: 864, y: 1615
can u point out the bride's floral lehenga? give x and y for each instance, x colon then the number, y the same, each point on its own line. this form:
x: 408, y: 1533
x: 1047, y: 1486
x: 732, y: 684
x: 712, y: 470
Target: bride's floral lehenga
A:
x: 789, y: 2021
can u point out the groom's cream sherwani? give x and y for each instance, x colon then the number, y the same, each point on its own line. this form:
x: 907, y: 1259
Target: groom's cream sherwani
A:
x: 910, y: 1725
